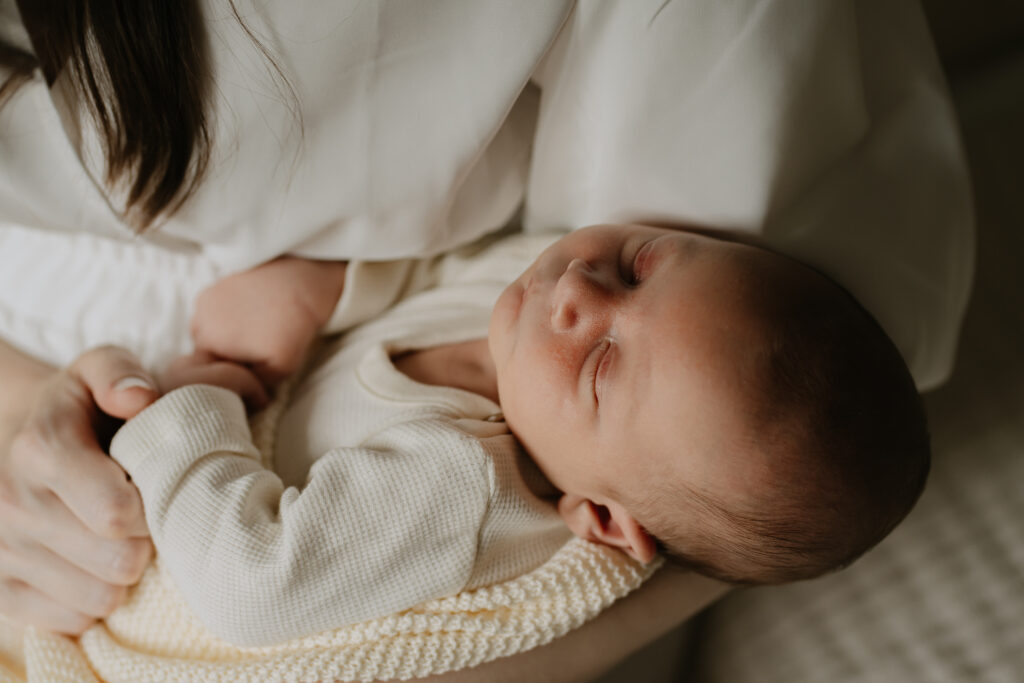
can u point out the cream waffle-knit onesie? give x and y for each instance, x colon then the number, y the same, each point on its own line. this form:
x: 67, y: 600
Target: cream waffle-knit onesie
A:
x: 385, y: 492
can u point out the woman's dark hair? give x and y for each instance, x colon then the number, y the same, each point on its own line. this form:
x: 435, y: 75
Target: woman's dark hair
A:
x: 142, y: 69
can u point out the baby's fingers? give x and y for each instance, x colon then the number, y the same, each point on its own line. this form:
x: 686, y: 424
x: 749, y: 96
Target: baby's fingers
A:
x: 232, y: 376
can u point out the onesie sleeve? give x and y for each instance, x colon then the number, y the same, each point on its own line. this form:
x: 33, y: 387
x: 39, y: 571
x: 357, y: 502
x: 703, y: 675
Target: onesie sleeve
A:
x: 823, y: 126
x: 375, y: 530
x: 371, y: 287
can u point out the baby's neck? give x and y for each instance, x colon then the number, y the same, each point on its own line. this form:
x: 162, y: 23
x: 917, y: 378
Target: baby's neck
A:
x: 464, y: 365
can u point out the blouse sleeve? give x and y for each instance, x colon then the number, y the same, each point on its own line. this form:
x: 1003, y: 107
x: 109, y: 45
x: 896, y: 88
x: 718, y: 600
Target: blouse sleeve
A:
x: 376, y: 529
x: 825, y: 127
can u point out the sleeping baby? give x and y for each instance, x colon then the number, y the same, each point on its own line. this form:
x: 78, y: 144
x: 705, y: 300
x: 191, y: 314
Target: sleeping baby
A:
x: 655, y: 390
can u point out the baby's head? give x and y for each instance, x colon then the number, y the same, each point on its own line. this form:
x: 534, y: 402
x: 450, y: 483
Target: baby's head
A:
x: 710, y: 399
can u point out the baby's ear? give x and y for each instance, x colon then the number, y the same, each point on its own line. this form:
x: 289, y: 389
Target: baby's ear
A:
x: 609, y: 524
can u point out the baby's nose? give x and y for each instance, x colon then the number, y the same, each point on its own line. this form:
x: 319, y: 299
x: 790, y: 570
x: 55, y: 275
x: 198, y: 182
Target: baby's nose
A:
x: 579, y: 297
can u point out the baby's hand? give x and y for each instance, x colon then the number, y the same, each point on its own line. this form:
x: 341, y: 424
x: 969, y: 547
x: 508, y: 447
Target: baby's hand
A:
x: 267, y: 317
x: 202, y: 368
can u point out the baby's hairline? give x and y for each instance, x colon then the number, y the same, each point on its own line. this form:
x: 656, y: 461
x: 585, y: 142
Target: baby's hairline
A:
x: 797, y: 434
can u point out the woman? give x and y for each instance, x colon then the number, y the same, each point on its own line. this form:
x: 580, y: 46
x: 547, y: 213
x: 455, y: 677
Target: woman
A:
x: 130, y: 181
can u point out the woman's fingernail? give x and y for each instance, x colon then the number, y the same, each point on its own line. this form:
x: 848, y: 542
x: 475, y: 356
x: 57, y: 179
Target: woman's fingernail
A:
x: 134, y: 381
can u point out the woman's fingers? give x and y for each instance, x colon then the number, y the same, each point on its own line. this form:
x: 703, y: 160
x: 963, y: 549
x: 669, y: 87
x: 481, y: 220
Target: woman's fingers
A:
x: 24, y: 604
x: 58, y: 580
x: 36, y: 517
x: 72, y: 530
x: 53, y: 526
x: 97, y: 491
x: 57, y: 451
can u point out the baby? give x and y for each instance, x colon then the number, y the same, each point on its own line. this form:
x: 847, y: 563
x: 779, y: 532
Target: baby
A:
x: 709, y: 399
x: 680, y: 392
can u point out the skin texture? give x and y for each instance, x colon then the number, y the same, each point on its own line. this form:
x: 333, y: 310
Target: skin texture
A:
x: 72, y: 531
x: 616, y: 356
x: 619, y: 357
x: 266, y: 317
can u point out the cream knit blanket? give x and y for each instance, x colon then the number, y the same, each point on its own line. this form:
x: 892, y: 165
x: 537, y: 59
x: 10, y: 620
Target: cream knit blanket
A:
x: 154, y: 636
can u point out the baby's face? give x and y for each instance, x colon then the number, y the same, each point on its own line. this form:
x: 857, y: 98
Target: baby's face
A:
x: 620, y: 353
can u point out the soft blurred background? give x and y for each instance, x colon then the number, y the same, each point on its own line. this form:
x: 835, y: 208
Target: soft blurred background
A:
x: 942, y: 599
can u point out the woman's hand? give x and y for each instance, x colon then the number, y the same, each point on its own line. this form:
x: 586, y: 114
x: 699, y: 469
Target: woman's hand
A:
x: 72, y: 532
x: 267, y: 317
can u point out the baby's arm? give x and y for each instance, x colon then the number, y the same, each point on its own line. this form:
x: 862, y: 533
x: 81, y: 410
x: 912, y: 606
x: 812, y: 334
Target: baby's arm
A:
x: 203, y: 368
x: 267, y: 317
x: 376, y: 529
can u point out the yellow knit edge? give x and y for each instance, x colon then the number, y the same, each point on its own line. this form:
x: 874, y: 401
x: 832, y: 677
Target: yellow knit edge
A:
x: 439, y: 636
x: 471, y: 628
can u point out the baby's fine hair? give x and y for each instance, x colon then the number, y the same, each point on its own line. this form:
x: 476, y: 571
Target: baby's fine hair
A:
x: 833, y: 406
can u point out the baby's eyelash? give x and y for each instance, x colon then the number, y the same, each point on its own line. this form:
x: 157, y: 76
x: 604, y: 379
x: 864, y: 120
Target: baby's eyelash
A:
x: 634, y: 273
x: 639, y: 259
x: 595, y: 369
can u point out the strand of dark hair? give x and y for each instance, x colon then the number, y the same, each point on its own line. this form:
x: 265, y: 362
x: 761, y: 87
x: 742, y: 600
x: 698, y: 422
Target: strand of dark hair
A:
x: 20, y: 63
x: 141, y: 68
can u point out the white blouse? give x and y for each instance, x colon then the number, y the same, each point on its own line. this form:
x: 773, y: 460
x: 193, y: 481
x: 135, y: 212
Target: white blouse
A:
x: 409, y: 128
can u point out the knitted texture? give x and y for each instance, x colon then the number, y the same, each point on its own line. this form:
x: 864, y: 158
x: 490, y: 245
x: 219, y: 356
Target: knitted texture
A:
x: 154, y: 637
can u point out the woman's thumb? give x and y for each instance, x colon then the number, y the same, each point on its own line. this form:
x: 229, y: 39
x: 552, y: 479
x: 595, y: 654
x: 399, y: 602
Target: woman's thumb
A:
x: 129, y: 396
x: 119, y: 384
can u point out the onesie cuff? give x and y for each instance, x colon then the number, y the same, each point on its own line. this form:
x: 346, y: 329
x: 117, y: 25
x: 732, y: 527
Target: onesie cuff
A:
x: 370, y: 288
x: 184, y: 425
